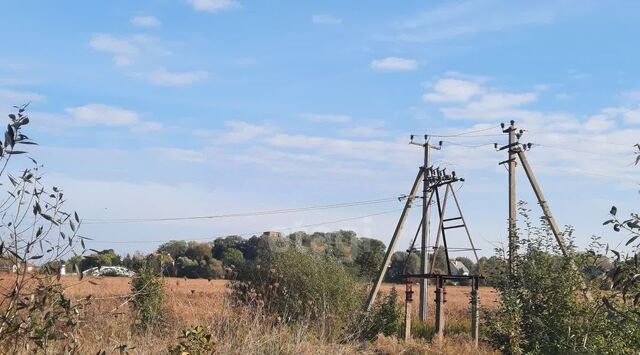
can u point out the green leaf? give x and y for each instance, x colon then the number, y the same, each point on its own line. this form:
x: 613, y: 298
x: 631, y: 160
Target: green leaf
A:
x: 36, y: 257
x: 14, y: 152
x: 614, y: 210
x: 632, y: 239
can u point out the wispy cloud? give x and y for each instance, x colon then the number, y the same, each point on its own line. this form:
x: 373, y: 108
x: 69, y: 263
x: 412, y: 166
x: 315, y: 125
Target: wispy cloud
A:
x: 213, y: 5
x: 101, y: 114
x: 145, y: 21
x: 394, y: 64
x: 19, y: 97
x: 122, y: 50
x: 325, y: 20
x: 455, y: 19
x: 316, y: 117
x: 163, y: 77
x: 111, y: 116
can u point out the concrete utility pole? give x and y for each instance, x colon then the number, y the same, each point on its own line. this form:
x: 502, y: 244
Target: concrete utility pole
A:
x: 394, y: 239
x: 513, y: 237
x: 549, y: 217
x: 424, y: 253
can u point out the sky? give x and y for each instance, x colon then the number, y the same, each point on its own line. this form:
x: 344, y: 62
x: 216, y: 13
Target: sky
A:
x: 174, y: 108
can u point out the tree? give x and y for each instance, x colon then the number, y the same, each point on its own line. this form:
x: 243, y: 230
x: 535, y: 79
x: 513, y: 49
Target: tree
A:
x: 107, y: 257
x: 198, y: 251
x: 222, y: 244
x: 175, y: 248
x: 370, y: 257
x: 232, y: 257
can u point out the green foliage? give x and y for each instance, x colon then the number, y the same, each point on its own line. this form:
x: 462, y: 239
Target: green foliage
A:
x: 47, y: 317
x: 543, y: 311
x: 385, y: 317
x: 193, y: 341
x: 399, y: 262
x: 107, y: 257
x: 370, y: 257
x: 232, y: 257
x: 148, y: 298
x: 36, y: 229
x: 298, y: 285
x: 175, y: 248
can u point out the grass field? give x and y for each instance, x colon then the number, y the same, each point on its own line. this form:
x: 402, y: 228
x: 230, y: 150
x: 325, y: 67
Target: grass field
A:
x: 107, y: 320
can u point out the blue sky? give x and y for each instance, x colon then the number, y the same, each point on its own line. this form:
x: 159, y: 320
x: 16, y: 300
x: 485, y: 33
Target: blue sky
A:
x: 196, y: 107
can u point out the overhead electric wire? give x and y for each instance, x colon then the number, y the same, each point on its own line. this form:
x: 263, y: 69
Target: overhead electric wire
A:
x: 466, y: 134
x: 240, y: 214
x: 608, y: 155
x: 255, y: 233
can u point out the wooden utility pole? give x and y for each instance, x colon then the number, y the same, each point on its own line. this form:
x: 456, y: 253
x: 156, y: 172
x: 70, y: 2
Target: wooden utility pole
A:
x: 394, y: 239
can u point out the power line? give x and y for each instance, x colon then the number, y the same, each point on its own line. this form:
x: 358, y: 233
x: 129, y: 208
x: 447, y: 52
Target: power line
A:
x: 240, y: 214
x: 581, y: 138
x: 254, y: 233
x: 469, y: 145
x: 466, y: 133
x: 609, y: 155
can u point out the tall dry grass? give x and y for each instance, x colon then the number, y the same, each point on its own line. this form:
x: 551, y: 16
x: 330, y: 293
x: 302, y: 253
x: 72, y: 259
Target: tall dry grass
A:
x: 106, y: 323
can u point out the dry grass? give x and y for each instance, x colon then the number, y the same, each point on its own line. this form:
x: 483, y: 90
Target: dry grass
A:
x: 107, y: 322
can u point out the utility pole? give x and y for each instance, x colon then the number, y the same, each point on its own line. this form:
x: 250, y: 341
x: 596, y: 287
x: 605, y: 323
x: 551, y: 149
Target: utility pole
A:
x: 424, y: 253
x: 549, y: 217
x: 394, y: 239
x: 513, y: 237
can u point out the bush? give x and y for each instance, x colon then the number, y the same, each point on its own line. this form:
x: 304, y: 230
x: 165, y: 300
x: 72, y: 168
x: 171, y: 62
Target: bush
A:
x: 385, y: 317
x: 297, y: 285
x: 147, y: 299
x: 543, y: 310
x: 194, y: 341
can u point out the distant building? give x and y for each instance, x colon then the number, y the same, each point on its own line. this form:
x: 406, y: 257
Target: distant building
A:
x: 271, y: 234
x: 458, y: 268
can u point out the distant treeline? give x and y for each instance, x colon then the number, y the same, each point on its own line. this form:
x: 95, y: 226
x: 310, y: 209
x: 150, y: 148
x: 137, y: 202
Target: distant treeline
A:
x: 227, y: 257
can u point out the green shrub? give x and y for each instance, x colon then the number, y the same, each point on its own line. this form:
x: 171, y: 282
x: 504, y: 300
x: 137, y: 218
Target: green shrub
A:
x: 385, y: 317
x: 296, y: 285
x: 543, y: 310
x: 193, y: 341
x: 147, y: 299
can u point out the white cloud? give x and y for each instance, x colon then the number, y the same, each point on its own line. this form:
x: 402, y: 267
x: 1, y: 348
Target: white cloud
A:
x: 213, y: 5
x: 148, y: 126
x: 145, y: 21
x: 103, y: 115
x: 315, y: 117
x: 123, y: 50
x: 455, y: 19
x: 19, y: 97
x: 394, y: 64
x: 178, y: 154
x: 325, y: 20
x: 127, y: 49
x: 235, y: 132
x: 368, y: 130
x: 600, y: 123
x: 164, y: 77
x: 453, y: 90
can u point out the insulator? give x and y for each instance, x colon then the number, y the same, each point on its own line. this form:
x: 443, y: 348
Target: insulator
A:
x: 513, y: 122
x: 502, y: 125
